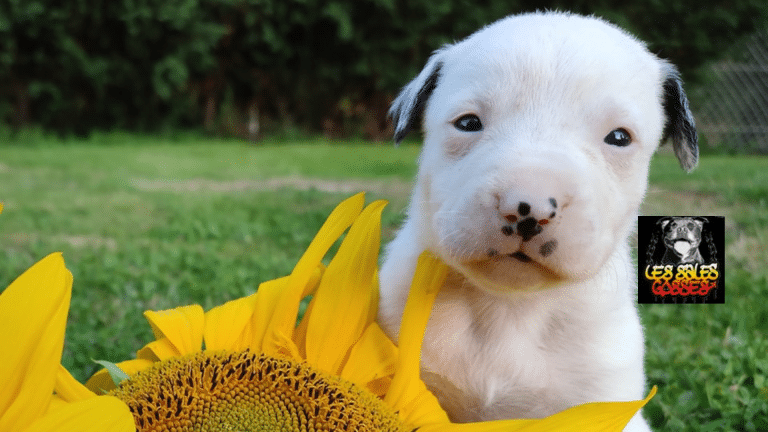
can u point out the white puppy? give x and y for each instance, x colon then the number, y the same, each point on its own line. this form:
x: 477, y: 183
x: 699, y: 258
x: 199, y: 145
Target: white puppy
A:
x: 539, y: 130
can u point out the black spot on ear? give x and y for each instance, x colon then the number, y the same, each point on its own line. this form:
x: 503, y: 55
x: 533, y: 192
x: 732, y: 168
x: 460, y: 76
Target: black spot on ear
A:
x: 680, y: 124
x: 410, y: 107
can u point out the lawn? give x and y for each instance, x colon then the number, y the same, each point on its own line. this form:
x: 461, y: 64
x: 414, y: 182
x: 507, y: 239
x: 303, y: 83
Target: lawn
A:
x: 154, y: 223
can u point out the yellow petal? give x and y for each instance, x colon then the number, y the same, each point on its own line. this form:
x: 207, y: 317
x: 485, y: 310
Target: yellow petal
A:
x: 101, y: 382
x: 99, y: 414
x: 421, y: 407
x: 406, y: 385
x: 267, y: 296
x: 282, y: 345
x: 591, y: 417
x: 284, y: 312
x: 33, y: 316
x: 338, y: 221
x: 373, y: 307
x: 380, y: 386
x: 158, y: 350
x: 373, y: 357
x: 183, y: 326
x: 225, y: 324
x: 70, y: 389
x: 342, y: 304
x: 314, y: 280
x: 300, y: 334
x: 56, y: 403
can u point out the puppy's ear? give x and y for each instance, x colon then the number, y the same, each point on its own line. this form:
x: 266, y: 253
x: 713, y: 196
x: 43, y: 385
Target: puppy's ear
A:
x: 408, y: 108
x: 701, y: 220
x: 663, y: 222
x: 680, y: 125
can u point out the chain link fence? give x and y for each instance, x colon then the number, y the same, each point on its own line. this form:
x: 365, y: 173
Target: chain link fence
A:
x: 732, y: 115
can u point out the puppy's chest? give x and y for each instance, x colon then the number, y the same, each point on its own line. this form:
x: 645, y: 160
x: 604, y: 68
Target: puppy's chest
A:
x: 496, y: 362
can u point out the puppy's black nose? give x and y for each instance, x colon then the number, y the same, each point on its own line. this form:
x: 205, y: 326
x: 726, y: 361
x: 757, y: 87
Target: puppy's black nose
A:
x: 527, y: 220
x: 528, y: 227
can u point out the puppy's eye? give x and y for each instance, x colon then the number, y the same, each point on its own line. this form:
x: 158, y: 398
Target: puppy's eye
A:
x: 618, y: 137
x: 468, y: 123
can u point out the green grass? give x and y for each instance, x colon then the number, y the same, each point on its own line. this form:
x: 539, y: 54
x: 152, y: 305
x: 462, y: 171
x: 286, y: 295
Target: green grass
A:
x: 711, y: 361
x: 151, y: 223
x: 156, y: 226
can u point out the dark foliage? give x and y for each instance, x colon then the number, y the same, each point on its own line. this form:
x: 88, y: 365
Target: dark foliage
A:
x: 330, y: 66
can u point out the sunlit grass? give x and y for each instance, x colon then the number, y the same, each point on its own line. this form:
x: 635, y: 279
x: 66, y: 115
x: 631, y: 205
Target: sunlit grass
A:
x: 151, y: 223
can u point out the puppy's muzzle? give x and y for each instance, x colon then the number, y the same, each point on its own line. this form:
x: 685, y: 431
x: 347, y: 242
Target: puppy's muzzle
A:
x: 526, y: 218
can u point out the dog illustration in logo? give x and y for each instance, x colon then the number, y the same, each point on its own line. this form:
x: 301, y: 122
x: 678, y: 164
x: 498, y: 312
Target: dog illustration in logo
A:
x: 682, y: 236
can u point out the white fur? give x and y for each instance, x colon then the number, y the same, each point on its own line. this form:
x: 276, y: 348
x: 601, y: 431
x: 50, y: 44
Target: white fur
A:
x: 510, y: 339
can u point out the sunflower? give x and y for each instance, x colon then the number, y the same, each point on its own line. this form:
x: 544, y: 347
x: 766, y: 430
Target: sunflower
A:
x: 246, y: 365
x: 33, y: 315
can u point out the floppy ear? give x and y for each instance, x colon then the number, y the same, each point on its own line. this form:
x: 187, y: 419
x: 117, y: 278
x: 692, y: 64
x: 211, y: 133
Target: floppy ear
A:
x: 663, y: 222
x: 680, y: 125
x: 408, y: 108
x: 702, y: 220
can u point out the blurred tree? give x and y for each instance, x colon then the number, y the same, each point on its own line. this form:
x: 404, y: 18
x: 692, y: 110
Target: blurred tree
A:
x: 73, y: 66
x: 232, y: 66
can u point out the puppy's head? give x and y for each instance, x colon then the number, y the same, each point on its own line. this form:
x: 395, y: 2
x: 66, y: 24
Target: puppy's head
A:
x: 682, y: 234
x: 538, y: 134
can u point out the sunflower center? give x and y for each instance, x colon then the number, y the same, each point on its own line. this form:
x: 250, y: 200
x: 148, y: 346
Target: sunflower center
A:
x: 241, y: 391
